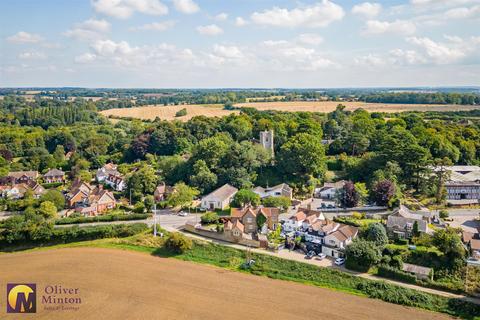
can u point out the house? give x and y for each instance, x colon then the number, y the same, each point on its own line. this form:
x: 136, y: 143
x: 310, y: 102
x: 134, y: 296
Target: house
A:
x: 249, y: 217
x: 400, y: 224
x: 162, y: 191
x: 22, y: 176
x: 97, y: 202
x: 329, y: 190
x: 116, y: 182
x: 78, y: 194
x: 54, y: 176
x: 463, y: 184
x: 332, y: 236
x: 220, y: 198
x: 105, y: 171
x: 334, y: 243
x: 422, y: 273
x: 18, y: 190
x: 302, y: 219
x: 281, y: 190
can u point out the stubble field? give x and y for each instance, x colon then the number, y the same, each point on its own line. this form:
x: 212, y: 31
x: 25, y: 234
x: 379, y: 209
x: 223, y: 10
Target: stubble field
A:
x: 216, y: 110
x: 116, y: 284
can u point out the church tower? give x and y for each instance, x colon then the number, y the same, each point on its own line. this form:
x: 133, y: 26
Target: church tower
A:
x: 266, y: 140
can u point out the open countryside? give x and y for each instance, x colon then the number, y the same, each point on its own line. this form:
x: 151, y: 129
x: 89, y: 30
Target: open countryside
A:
x: 172, y: 289
x: 151, y: 112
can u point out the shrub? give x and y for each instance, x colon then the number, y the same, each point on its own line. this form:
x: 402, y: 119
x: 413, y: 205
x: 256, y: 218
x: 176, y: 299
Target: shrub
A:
x: 178, y: 243
x: 357, y: 215
x: 102, y: 218
x: 361, y: 255
x: 181, y: 112
x: 443, y: 214
x: 209, y: 218
x: 402, y: 241
x: 139, y: 207
x: 392, y: 273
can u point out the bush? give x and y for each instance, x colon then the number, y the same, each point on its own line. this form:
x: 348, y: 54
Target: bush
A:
x: 402, y: 242
x: 178, y: 243
x: 392, y: 273
x: 181, y: 113
x: 102, y: 218
x: 209, y: 218
x: 361, y: 255
x: 443, y: 214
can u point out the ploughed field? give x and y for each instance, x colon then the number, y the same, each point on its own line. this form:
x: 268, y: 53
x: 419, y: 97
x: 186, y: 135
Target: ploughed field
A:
x: 168, y: 112
x: 118, y: 284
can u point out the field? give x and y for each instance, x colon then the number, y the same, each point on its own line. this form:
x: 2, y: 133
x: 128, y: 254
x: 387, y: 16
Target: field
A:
x: 216, y: 110
x: 329, y: 106
x: 117, y: 284
x: 168, y: 112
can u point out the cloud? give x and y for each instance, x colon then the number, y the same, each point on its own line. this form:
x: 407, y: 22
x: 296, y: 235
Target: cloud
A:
x: 155, y: 26
x: 124, y: 9
x: 240, y: 22
x: 320, y: 14
x: 210, y: 30
x: 463, y: 13
x: 406, y: 57
x: 371, y: 60
x: 32, y: 55
x: 367, y: 9
x: 25, y: 37
x: 88, y: 30
x: 282, y: 55
x: 230, y: 52
x: 310, y: 39
x: 221, y: 16
x: 403, y: 27
x: 186, y: 6
x: 85, y: 58
x: 441, y: 53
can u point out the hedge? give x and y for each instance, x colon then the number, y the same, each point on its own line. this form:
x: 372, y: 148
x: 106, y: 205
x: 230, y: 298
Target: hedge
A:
x: 103, y: 218
x: 76, y: 233
x: 392, y: 273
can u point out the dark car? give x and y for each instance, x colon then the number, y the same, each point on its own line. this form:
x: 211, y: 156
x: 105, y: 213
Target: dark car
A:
x: 310, y: 255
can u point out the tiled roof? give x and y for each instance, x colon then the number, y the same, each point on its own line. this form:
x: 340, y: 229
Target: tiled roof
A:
x: 224, y: 192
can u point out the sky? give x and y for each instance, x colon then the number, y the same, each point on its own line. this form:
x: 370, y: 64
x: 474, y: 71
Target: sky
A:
x: 239, y: 43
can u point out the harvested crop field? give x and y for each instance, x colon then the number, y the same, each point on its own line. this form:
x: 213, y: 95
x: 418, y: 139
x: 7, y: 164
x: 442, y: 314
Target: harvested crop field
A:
x: 168, y: 112
x: 117, y: 284
x: 329, y: 106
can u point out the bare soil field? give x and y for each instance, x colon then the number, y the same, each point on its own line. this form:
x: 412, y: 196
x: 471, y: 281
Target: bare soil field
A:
x: 168, y: 112
x: 329, y: 106
x: 117, y: 284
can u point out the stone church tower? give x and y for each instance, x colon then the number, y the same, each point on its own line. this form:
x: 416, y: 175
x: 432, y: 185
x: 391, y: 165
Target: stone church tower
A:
x: 266, y: 140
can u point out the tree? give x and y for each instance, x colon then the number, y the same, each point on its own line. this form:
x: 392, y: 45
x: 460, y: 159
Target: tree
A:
x: 55, y: 197
x: 376, y: 233
x: 304, y: 155
x: 202, y: 178
x: 347, y: 196
x: 415, y: 231
x: 246, y: 197
x: 361, y: 189
x: 209, y: 218
x: 141, y: 182
x: 443, y: 214
x: 148, y: 201
x: 383, y: 191
x: 277, y: 202
x: 182, y: 195
x: 261, y: 219
x: 448, y: 241
x: 178, y: 243
x: 361, y: 255
x: 47, y: 209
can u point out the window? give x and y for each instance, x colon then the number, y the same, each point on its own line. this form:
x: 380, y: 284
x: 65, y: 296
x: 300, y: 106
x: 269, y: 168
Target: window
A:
x: 249, y: 220
x: 332, y: 241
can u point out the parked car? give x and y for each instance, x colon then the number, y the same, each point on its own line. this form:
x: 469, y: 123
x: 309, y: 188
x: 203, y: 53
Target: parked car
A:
x: 183, y: 214
x: 339, y: 261
x: 310, y: 255
x: 321, y: 256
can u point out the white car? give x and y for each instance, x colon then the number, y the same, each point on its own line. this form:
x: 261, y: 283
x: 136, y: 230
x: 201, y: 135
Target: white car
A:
x: 321, y: 256
x: 183, y: 214
x: 339, y: 261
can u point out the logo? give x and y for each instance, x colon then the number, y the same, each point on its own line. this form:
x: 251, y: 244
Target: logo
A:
x: 21, y: 298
